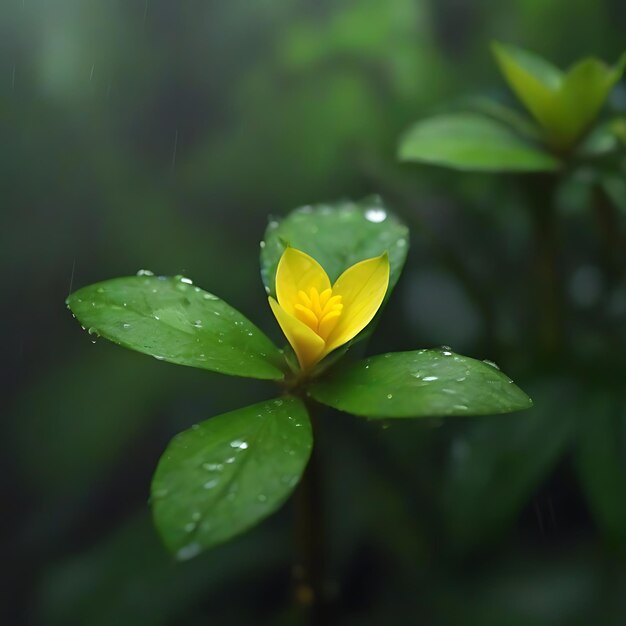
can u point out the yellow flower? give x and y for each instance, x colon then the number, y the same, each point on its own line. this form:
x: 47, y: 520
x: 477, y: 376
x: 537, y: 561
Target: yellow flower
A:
x: 317, y: 317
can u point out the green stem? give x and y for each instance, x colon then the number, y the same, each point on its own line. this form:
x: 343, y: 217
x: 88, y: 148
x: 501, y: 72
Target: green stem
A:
x: 308, y: 571
x: 608, y: 223
x: 549, y: 290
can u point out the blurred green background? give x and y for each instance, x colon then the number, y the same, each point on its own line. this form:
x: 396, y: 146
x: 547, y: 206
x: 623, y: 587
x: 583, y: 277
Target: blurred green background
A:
x: 161, y: 135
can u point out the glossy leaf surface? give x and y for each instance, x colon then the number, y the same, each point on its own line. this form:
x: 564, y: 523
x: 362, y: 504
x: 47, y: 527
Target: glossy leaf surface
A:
x: 472, y: 142
x: 171, y: 320
x: 337, y: 236
x: 424, y: 383
x: 224, y: 475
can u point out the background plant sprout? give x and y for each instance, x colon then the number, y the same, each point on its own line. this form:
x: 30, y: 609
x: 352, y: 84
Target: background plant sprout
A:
x: 564, y: 145
x: 227, y: 473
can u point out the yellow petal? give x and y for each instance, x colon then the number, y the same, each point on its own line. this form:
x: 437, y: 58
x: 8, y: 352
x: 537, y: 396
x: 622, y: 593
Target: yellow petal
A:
x: 306, y: 343
x: 296, y: 272
x: 362, y: 288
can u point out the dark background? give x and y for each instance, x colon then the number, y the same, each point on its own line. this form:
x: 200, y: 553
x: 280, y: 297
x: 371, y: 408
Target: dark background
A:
x: 161, y: 135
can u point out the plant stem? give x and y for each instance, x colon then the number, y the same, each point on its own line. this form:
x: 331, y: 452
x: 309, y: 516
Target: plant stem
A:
x: 608, y: 223
x: 547, y: 246
x: 308, y: 571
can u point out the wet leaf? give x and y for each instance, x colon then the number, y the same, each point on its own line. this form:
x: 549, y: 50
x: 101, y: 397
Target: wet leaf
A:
x: 424, y: 383
x: 337, y: 235
x: 472, y: 142
x: 171, y: 320
x: 226, y: 474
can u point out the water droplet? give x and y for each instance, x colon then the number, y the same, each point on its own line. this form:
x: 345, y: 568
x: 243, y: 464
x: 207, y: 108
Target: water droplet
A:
x: 209, y: 484
x: 216, y: 313
x: 250, y: 334
x: 389, y: 396
x: 238, y: 443
x: 100, y: 289
x: 145, y: 273
x: 229, y: 460
x: 429, y: 379
x: 450, y: 392
x: 401, y: 243
x: 262, y: 244
x: 125, y: 325
x: 209, y: 296
x: 158, y: 357
x: 213, y: 467
x: 460, y: 407
x: 92, y: 331
x: 491, y: 363
x: 198, y: 323
x: 278, y: 403
x: 375, y: 215
x: 189, y: 551
x: 187, y: 281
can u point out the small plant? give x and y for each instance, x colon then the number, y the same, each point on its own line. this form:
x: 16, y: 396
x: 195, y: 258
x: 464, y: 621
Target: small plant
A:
x: 327, y: 270
x: 490, y: 136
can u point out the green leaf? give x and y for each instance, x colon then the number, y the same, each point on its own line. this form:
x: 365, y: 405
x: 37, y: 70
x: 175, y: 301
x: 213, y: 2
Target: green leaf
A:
x: 601, y: 463
x: 171, y: 320
x: 472, y: 142
x: 564, y: 104
x: 424, y: 383
x: 515, y: 120
x: 337, y: 236
x: 494, y: 465
x: 88, y: 410
x: 614, y: 185
x: 226, y: 474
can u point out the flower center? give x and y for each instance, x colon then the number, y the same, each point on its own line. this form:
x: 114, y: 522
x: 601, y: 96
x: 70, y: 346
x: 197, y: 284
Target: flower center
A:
x: 319, y: 311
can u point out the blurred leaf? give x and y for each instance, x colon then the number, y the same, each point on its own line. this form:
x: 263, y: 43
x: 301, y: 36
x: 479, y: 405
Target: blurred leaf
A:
x: 601, y: 463
x: 424, y: 383
x: 525, y: 587
x: 603, y: 139
x: 472, y: 142
x: 564, y: 104
x: 517, y: 121
x: 494, y: 466
x: 615, y: 188
x: 226, y: 474
x: 128, y: 579
x: 72, y: 426
x: 337, y: 236
x: 172, y: 320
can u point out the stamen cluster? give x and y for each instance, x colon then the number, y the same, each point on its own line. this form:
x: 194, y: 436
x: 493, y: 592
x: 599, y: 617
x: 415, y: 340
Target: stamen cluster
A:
x: 319, y: 311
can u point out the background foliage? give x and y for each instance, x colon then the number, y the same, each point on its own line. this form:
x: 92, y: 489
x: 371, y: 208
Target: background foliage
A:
x: 160, y: 135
